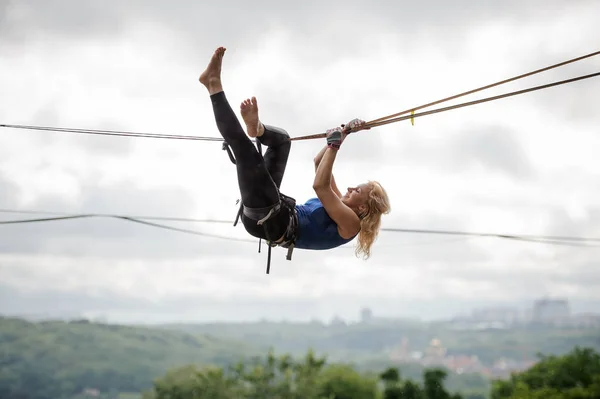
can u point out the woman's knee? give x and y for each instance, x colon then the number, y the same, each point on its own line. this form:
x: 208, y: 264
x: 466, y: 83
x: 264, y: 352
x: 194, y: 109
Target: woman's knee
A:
x: 274, y: 136
x: 277, y: 130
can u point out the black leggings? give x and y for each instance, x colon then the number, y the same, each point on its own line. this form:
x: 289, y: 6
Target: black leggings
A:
x: 259, y: 177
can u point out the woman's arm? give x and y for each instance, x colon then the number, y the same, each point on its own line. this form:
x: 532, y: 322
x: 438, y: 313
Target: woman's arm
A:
x: 317, y: 161
x: 347, y: 221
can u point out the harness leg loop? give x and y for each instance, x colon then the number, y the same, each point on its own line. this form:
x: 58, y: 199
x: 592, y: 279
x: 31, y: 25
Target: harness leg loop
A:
x: 262, y: 215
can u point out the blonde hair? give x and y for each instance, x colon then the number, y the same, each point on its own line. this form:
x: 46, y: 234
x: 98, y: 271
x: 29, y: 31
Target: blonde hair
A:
x: 378, y: 204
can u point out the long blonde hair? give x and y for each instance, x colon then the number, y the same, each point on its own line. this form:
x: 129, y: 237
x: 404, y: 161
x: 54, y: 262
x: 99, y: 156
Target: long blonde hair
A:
x: 378, y: 204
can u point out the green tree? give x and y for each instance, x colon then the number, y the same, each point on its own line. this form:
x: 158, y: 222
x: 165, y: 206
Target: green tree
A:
x: 306, y: 375
x: 343, y: 382
x: 575, y: 375
x: 434, y: 385
x: 412, y: 390
x: 392, y: 387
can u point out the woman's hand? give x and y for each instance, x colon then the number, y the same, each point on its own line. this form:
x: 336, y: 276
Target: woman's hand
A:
x: 354, y: 125
x: 335, y: 137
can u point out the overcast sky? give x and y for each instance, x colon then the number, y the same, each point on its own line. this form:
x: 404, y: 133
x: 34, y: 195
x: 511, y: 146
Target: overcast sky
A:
x: 522, y: 165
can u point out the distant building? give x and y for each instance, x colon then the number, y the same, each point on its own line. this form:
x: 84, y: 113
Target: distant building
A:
x: 464, y: 364
x: 488, y: 318
x: 366, y: 315
x: 400, y: 352
x: 507, y: 315
x: 585, y: 320
x: 91, y: 392
x: 548, y: 310
x: 435, y: 353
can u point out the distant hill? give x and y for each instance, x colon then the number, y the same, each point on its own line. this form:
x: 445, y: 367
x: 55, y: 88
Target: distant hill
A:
x: 364, y: 341
x: 50, y: 359
x: 58, y: 359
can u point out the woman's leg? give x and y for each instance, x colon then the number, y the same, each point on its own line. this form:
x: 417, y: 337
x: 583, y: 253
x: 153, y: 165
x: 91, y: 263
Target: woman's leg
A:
x: 276, y: 139
x: 260, y: 194
x: 256, y: 186
x: 278, y: 145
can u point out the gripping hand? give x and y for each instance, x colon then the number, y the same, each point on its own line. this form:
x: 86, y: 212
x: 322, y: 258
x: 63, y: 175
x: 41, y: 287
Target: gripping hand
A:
x: 354, y: 125
x: 335, y: 137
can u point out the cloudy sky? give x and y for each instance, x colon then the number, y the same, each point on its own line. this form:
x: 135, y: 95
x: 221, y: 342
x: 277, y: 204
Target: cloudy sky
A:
x: 523, y: 165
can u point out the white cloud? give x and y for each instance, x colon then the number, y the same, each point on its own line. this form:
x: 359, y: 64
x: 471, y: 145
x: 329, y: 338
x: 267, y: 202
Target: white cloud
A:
x: 521, y: 165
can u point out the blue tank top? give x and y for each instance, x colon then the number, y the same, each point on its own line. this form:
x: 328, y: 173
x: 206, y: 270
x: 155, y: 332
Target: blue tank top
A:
x: 316, y: 230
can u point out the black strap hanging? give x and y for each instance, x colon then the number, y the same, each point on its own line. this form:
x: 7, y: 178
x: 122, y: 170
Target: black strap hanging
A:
x: 232, y: 158
x: 259, y: 148
x: 237, y: 218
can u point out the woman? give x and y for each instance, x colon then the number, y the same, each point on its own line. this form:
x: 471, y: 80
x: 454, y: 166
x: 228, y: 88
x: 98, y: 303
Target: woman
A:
x: 325, y: 222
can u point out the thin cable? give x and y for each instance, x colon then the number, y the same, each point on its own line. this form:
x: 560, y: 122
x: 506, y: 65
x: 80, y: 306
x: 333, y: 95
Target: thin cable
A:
x: 126, y: 218
x: 437, y: 110
x: 537, y: 238
x: 559, y: 240
x: 52, y: 219
x: 173, y: 219
x: 415, y: 244
x: 185, y: 230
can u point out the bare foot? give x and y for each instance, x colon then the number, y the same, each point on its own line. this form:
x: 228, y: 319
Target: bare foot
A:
x: 211, y: 77
x: 249, y: 109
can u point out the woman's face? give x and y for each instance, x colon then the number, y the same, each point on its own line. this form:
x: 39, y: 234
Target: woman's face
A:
x: 356, y: 196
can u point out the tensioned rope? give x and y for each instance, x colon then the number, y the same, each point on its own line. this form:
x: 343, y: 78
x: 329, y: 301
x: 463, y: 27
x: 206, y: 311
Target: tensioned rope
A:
x: 546, y: 239
x: 111, y: 133
x: 488, y: 86
x: 369, y: 125
x: 388, y: 119
x: 374, y: 123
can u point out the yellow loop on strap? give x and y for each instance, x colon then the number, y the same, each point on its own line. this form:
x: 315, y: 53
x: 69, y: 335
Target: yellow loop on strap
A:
x: 412, y: 120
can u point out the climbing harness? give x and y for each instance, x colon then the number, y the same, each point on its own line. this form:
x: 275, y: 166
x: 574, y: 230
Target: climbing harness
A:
x: 263, y: 215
